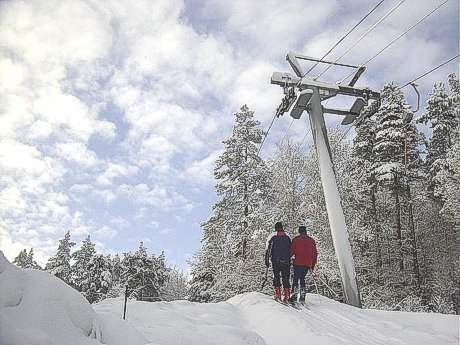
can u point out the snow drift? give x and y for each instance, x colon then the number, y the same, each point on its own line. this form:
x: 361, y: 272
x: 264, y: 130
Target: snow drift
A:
x: 37, y: 308
x: 255, y: 319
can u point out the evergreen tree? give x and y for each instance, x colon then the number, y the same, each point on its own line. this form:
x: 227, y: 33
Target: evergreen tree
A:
x: 21, y: 259
x: 116, y: 269
x: 364, y: 189
x: 176, y: 287
x: 118, y: 288
x: 26, y: 260
x: 143, y: 274
x: 397, y: 161
x: 444, y: 120
x: 80, y: 268
x: 226, y: 264
x: 99, y: 278
x: 59, y: 264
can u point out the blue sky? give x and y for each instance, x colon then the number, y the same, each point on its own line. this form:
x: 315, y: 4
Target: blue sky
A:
x: 112, y: 113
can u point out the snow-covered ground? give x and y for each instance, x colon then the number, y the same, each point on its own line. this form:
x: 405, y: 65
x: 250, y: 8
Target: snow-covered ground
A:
x: 255, y: 319
x: 39, y: 309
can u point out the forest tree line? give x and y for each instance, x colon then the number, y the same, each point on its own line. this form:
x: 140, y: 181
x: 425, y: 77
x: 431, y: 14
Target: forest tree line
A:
x: 400, y: 191
x: 97, y: 276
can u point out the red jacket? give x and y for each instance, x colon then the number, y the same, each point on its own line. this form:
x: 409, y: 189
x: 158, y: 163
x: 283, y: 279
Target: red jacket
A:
x: 303, y: 247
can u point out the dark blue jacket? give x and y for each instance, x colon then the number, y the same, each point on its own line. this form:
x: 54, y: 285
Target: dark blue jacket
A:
x: 278, y: 249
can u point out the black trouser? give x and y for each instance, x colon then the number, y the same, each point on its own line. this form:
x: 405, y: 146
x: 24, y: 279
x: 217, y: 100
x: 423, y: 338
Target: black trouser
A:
x: 281, y: 270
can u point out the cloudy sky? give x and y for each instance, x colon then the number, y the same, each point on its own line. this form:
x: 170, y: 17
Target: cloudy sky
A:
x: 112, y: 113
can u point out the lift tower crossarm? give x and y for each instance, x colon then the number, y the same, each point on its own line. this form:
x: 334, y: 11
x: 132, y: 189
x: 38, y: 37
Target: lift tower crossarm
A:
x: 292, y: 57
x: 287, y: 80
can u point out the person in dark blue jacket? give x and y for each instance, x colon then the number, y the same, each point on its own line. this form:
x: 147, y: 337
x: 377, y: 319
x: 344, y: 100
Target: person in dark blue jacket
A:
x: 278, y: 250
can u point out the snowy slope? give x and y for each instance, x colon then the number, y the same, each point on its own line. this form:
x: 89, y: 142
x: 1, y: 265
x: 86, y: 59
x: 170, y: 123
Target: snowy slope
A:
x: 255, y: 319
x: 37, y: 308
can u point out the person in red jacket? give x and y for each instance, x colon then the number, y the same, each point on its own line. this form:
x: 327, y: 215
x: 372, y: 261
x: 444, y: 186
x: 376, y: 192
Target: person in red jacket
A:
x: 303, y: 250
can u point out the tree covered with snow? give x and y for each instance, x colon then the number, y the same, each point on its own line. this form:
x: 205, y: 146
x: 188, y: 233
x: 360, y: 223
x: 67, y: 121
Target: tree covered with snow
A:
x: 144, y: 274
x: 26, y: 260
x: 443, y: 118
x: 59, y: 264
x: 82, y: 258
x: 226, y: 264
x: 176, y: 286
x: 99, y: 278
x: 442, y: 115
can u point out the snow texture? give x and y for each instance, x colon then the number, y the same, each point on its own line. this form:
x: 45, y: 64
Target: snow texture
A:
x: 255, y: 319
x: 37, y: 308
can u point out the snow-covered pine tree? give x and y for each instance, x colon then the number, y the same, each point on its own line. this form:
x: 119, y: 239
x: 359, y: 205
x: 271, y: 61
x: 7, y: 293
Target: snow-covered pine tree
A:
x: 59, y: 264
x: 118, y: 287
x: 206, y: 264
x: 451, y: 211
x: 442, y: 115
x: 176, y: 287
x: 21, y: 259
x: 99, y: 278
x: 26, y: 260
x: 361, y: 199
x: 364, y: 186
x: 397, y: 163
x: 80, y: 268
x: 242, y: 184
x: 31, y: 263
x: 143, y: 274
x: 443, y: 118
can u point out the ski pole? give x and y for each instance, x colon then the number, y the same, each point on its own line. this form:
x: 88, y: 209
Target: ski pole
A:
x: 316, y: 287
x: 330, y: 289
x: 265, y: 279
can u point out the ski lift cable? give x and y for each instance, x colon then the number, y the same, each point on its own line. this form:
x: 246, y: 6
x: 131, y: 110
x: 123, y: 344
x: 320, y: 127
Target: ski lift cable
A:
x: 398, y: 38
x: 332, y: 48
x: 368, y: 31
x: 344, y: 37
x: 287, y: 130
x: 411, y: 82
x: 266, y: 134
x: 430, y: 71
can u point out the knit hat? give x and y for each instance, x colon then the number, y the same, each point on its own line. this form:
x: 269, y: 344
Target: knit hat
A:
x: 278, y: 226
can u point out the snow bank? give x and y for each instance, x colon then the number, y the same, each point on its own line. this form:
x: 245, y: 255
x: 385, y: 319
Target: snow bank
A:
x: 185, y: 323
x: 37, y: 308
x: 255, y: 319
x: 329, y: 322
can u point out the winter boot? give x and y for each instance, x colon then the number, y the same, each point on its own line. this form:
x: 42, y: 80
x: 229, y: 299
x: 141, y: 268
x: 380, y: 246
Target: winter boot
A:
x: 293, y: 297
x: 277, y: 293
x: 287, y: 293
x: 302, y: 296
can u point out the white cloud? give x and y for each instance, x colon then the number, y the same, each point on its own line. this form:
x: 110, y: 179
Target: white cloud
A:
x: 158, y: 197
x: 120, y: 101
x: 202, y: 171
x: 105, y: 232
x: 115, y: 170
x: 76, y: 152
